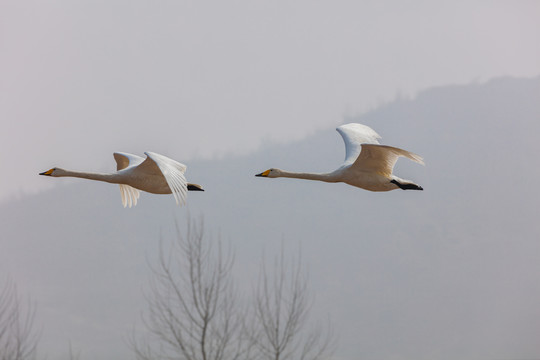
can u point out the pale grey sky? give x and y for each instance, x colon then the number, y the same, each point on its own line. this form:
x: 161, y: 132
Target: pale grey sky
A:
x: 82, y: 79
x: 447, y: 273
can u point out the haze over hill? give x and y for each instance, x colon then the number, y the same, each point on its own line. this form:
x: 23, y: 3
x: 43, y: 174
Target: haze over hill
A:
x: 82, y: 79
x: 450, y: 272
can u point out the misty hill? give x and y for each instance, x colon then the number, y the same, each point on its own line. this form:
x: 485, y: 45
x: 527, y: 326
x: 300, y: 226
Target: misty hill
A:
x: 450, y: 272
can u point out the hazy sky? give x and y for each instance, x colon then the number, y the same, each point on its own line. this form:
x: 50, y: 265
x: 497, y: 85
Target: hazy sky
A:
x: 447, y: 273
x: 82, y: 79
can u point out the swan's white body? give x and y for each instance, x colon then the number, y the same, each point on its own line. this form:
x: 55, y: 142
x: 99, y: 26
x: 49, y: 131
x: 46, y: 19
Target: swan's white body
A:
x: 368, y: 164
x: 156, y: 174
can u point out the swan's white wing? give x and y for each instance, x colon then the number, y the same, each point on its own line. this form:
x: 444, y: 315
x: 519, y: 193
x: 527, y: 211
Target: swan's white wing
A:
x: 124, y: 160
x: 129, y: 195
x: 173, y: 172
x: 382, y: 158
x: 354, y: 135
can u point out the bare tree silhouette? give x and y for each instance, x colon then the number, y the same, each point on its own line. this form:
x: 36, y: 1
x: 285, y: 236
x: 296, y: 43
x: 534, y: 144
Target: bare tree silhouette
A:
x: 18, y: 340
x: 281, y: 307
x: 196, y: 314
x: 192, y: 303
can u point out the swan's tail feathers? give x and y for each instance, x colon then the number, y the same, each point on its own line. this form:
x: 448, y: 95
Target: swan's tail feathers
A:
x: 414, y: 157
x: 407, y: 185
x: 129, y: 195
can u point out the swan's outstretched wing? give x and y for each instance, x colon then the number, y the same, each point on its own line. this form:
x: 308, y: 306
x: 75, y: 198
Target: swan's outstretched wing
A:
x: 172, y: 171
x: 124, y: 160
x: 382, y: 158
x: 354, y: 135
x: 129, y: 195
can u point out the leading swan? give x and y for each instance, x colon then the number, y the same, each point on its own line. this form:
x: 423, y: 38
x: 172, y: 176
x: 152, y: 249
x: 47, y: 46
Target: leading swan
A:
x: 368, y: 164
x: 156, y: 174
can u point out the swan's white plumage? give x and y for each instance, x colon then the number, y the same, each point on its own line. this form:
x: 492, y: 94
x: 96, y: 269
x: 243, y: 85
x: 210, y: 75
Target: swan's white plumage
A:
x: 368, y: 164
x: 156, y: 174
x: 173, y: 171
x: 381, y: 159
x: 129, y: 194
x: 124, y: 160
x: 354, y: 135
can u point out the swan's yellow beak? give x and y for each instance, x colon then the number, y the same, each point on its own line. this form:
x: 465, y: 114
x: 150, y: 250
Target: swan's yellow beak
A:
x: 264, y: 174
x: 48, y: 172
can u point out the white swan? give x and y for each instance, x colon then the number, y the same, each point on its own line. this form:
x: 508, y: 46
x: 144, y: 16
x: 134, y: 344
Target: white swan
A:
x: 368, y: 165
x: 157, y: 174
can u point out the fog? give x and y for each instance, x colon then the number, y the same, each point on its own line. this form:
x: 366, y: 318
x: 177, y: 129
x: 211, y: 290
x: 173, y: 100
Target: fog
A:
x: 449, y: 272
x: 201, y: 80
x: 232, y: 88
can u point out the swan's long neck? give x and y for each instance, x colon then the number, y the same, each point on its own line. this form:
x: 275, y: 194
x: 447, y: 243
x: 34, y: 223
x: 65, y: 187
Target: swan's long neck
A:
x: 327, y: 177
x: 110, y: 178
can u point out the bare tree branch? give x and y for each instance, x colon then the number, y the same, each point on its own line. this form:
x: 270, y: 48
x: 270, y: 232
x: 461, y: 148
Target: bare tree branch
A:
x: 192, y: 313
x: 281, y: 306
x: 195, y: 313
x: 18, y: 340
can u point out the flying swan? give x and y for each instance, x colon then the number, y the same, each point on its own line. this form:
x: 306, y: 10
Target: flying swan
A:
x: 157, y: 174
x: 368, y: 165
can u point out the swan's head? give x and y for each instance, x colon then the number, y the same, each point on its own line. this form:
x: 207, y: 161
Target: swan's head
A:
x: 53, y: 172
x: 271, y: 173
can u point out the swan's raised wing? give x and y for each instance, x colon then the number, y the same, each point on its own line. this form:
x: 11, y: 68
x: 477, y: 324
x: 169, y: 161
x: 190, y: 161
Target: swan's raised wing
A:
x: 382, y: 158
x: 354, y: 135
x: 124, y: 160
x: 172, y: 171
x: 129, y: 194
